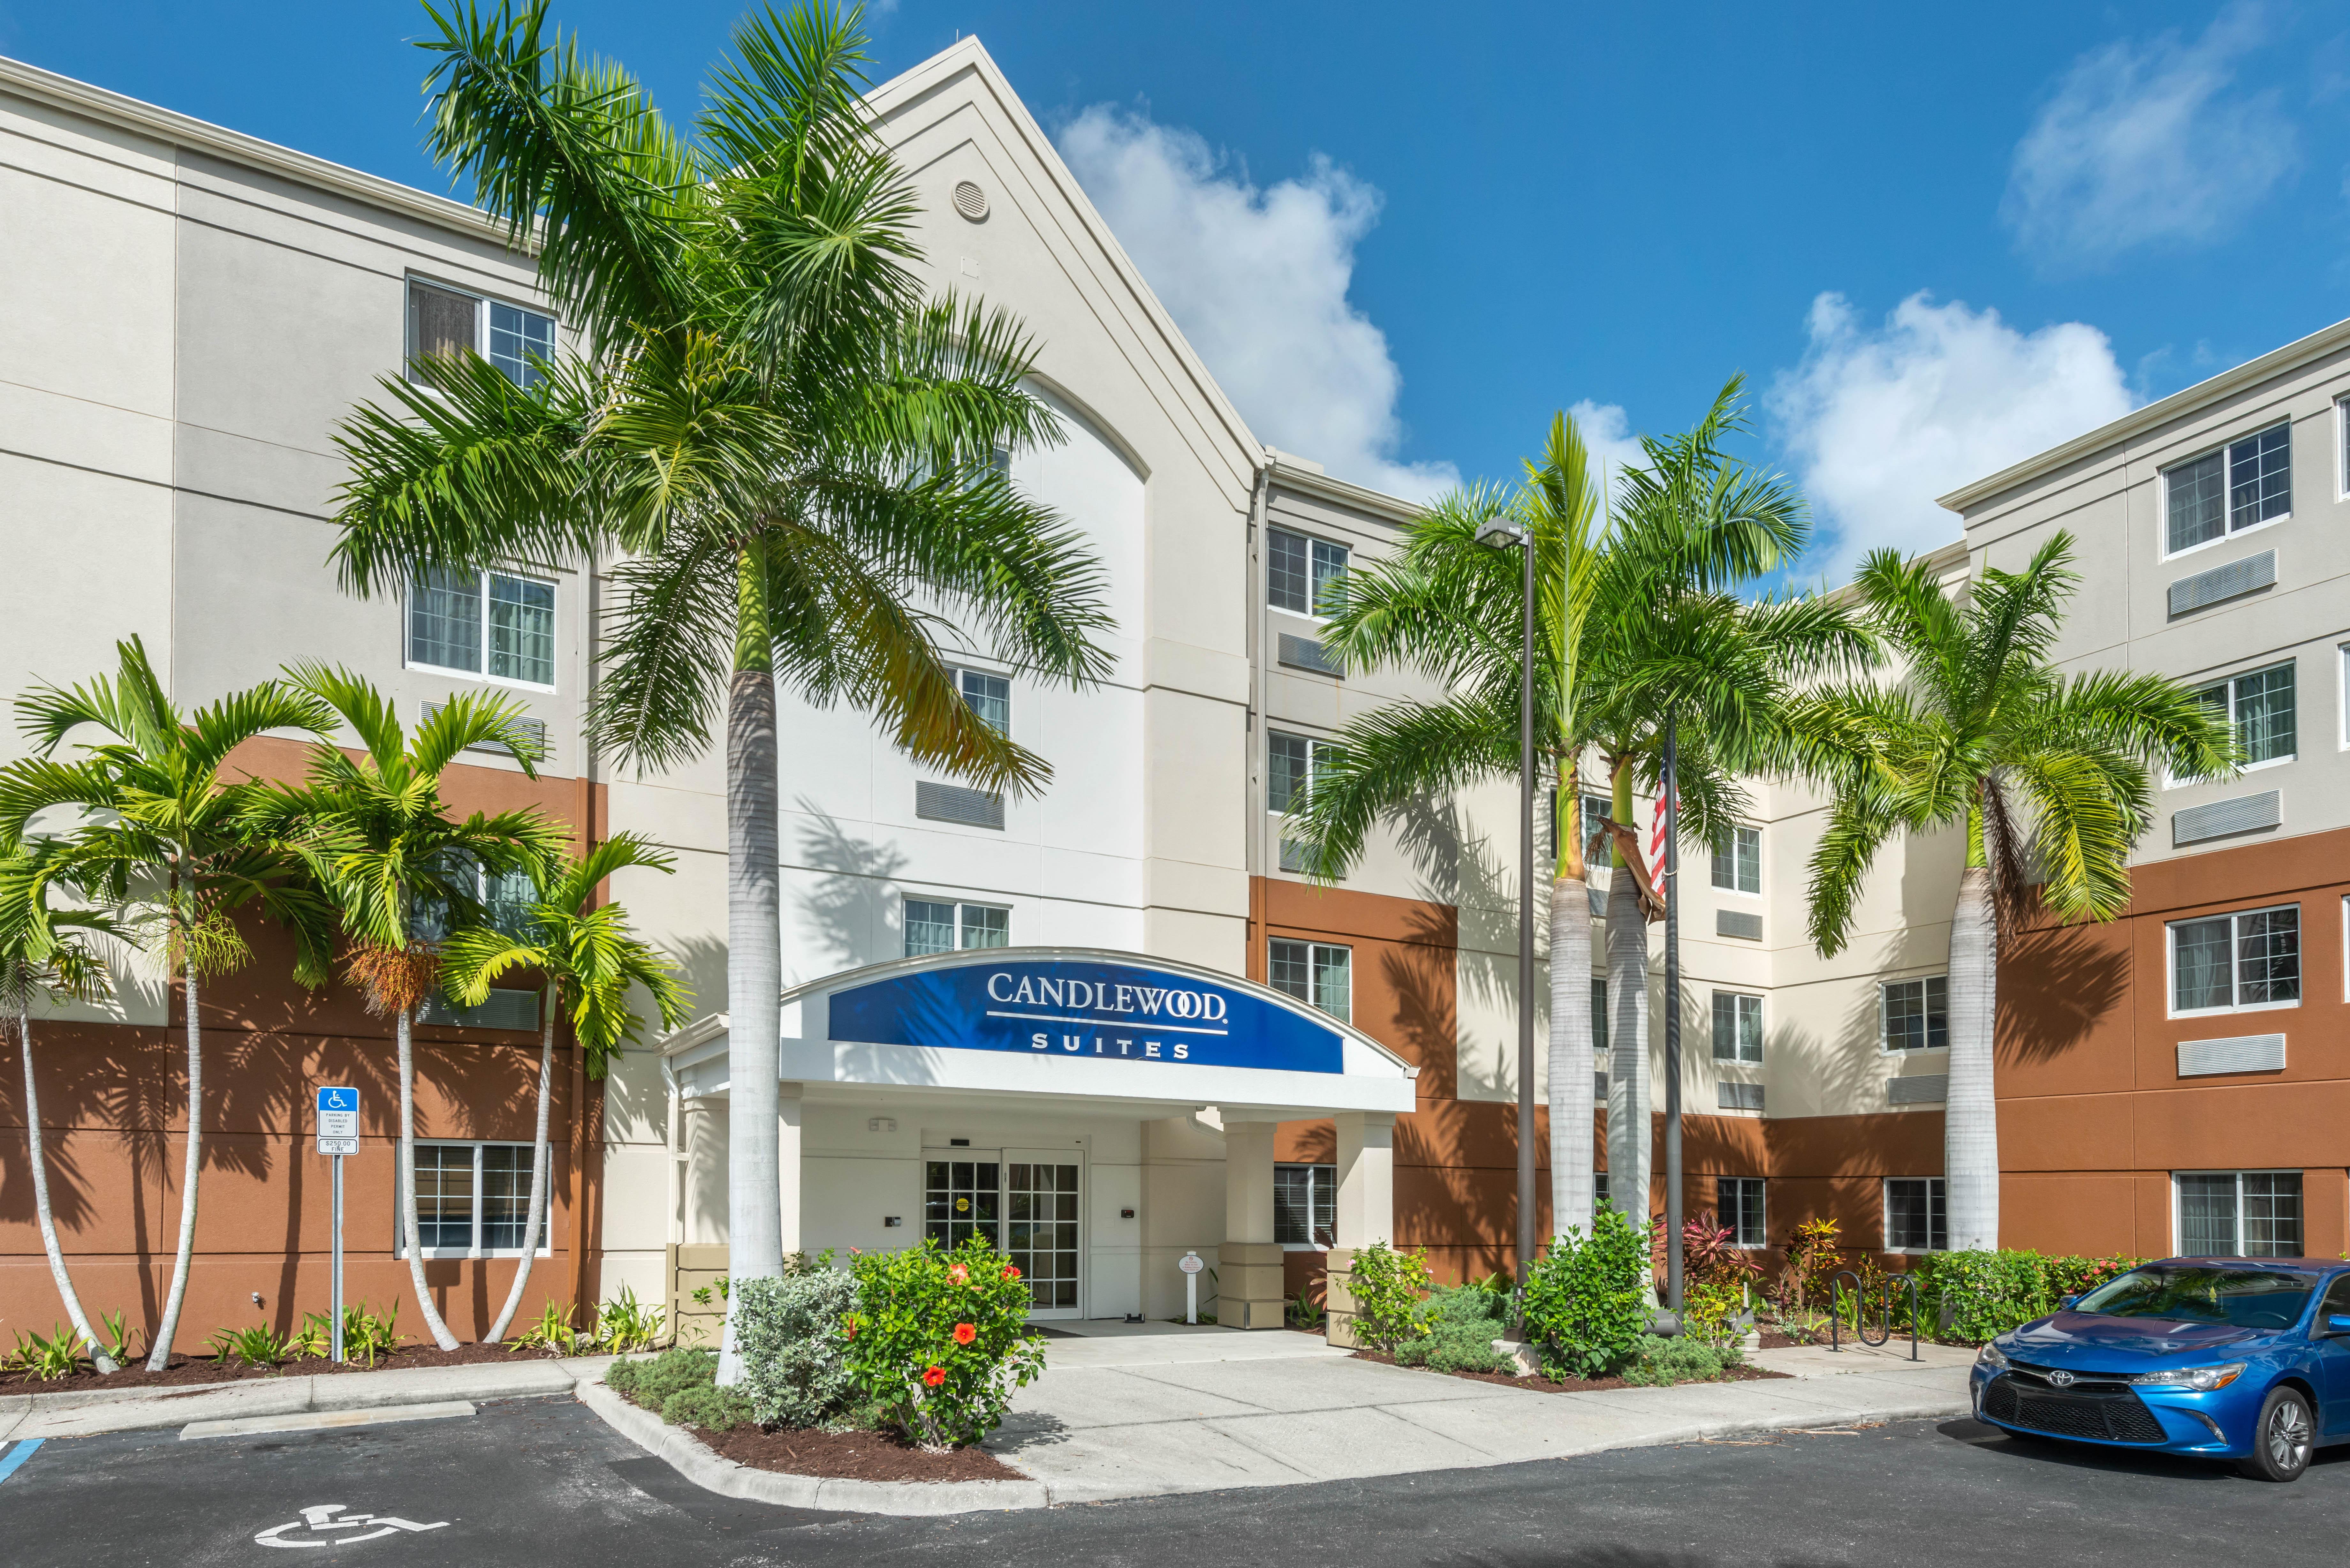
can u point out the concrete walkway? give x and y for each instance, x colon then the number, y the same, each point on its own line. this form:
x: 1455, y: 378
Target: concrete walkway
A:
x: 1148, y: 1410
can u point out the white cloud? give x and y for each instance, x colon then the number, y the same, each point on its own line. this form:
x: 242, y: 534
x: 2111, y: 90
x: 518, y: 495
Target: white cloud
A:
x: 1257, y: 279
x: 1607, y: 437
x: 1882, y: 419
x: 2146, y: 144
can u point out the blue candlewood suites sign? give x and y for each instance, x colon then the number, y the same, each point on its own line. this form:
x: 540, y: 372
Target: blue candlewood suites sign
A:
x: 1070, y: 1009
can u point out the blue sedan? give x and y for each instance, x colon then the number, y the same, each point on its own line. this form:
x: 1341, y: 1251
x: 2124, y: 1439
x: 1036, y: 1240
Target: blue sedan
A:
x: 2230, y: 1358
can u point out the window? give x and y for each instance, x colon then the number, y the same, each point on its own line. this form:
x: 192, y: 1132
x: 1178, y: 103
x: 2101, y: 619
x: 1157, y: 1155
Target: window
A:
x: 2259, y: 705
x: 1320, y: 974
x: 1738, y: 1206
x: 1305, y: 1205
x: 2247, y: 959
x: 472, y: 1199
x: 448, y: 613
x: 2240, y: 486
x: 1596, y: 809
x: 989, y: 696
x: 1598, y: 1186
x: 1737, y: 1027
x: 1914, y: 1014
x: 1738, y: 861
x: 507, y: 898
x: 445, y: 322
x: 936, y: 926
x: 2240, y: 1214
x: 1292, y: 764
x: 1915, y: 1217
x: 1599, y: 1020
x: 1302, y: 574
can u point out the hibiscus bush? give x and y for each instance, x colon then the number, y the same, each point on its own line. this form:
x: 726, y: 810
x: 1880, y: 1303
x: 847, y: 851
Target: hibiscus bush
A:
x: 938, y: 1340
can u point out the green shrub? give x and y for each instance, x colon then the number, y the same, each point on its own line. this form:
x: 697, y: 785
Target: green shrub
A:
x: 938, y: 1340
x: 1973, y: 1297
x: 650, y: 1382
x: 1659, y: 1362
x: 1462, y: 1322
x: 1714, y: 1314
x: 1585, y: 1310
x: 708, y: 1407
x: 795, y: 1372
x: 1388, y: 1288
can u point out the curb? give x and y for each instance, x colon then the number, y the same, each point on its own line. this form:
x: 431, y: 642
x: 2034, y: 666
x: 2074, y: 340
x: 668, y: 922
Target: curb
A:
x: 683, y: 1453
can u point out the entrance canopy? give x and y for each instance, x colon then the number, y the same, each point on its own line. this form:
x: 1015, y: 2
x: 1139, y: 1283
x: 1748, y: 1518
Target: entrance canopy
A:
x: 1072, y: 1022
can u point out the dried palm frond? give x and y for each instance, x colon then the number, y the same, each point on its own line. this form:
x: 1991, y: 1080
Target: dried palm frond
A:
x: 393, y: 980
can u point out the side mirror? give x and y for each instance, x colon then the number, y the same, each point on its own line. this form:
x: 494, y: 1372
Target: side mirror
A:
x: 2065, y: 1303
x: 2337, y: 1324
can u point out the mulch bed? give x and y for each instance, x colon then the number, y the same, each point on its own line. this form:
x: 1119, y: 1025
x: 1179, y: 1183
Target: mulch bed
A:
x: 1774, y: 1339
x: 1573, y: 1384
x: 203, y: 1369
x: 854, y: 1456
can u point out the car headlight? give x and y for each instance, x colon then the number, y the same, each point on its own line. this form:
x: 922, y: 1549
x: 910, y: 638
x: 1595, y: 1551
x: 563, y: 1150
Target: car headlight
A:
x: 1991, y: 1357
x: 2202, y: 1379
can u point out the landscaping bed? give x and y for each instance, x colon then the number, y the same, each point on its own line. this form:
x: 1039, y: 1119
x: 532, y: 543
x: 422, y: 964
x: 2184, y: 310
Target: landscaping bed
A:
x: 201, y: 1369
x: 1539, y: 1384
x: 853, y: 1456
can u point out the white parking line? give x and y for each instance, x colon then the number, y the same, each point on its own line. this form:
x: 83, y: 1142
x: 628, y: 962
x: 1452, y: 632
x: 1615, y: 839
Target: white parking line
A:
x: 311, y: 1420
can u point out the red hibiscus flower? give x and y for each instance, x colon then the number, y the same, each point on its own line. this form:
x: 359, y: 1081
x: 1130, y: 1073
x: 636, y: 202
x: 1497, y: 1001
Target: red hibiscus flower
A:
x: 1010, y: 1273
x: 958, y: 1273
x: 965, y: 1333
x: 933, y: 1377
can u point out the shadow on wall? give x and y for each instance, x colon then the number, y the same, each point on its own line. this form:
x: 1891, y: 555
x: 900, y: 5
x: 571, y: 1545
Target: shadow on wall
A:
x: 846, y: 910
x: 1467, y: 873
x: 2056, y: 983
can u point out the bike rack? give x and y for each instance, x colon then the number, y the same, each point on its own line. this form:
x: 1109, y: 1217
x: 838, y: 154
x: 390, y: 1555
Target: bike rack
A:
x: 1884, y: 1313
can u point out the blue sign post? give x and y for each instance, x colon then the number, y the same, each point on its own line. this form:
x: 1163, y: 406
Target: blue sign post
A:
x: 339, y: 1138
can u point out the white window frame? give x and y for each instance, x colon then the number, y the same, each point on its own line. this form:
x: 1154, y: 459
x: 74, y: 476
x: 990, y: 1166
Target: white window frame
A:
x: 1309, y: 612
x: 2171, y: 967
x: 963, y: 908
x: 1885, y: 1212
x: 1761, y: 1026
x: 435, y: 1254
x: 2227, y: 483
x: 1313, y: 972
x: 963, y: 669
x: 1908, y: 1052
x: 2228, y: 682
x: 2342, y: 448
x: 482, y: 675
x: 482, y: 303
x: 1321, y: 1174
x: 1735, y: 891
x: 1730, y: 1224
x: 2342, y: 694
x: 2179, y: 1207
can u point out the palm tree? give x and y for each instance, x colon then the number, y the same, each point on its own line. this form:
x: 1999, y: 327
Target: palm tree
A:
x: 2048, y: 775
x: 376, y: 836
x: 588, y: 958
x: 161, y: 837
x: 46, y: 956
x: 791, y: 451
x: 1631, y: 625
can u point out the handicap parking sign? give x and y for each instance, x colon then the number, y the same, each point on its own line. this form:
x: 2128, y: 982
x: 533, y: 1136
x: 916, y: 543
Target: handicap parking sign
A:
x: 338, y: 1119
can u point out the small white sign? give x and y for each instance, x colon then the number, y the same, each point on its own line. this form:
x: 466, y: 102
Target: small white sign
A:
x: 338, y: 1119
x: 1190, y: 1263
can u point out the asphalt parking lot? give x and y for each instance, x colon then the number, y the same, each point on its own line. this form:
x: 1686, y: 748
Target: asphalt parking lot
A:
x: 543, y: 1482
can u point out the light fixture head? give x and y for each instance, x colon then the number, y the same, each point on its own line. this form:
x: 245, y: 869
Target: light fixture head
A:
x: 1500, y: 534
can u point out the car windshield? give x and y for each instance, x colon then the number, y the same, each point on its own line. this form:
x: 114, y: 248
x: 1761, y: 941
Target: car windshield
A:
x: 2242, y: 1298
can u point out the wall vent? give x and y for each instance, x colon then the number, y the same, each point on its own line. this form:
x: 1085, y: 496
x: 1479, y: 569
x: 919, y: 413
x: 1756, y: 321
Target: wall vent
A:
x: 2226, y: 819
x: 1738, y: 923
x: 1305, y: 653
x: 2244, y: 1053
x: 1919, y: 1089
x: 953, y: 803
x: 534, y: 728
x: 504, y: 1010
x: 1741, y: 1096
x: 2219, y: 584
x: 970, y: 200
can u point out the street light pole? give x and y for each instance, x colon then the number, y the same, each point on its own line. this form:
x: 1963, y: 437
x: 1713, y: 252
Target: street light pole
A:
x: 1672, y: 1019
x: 1500, y: 534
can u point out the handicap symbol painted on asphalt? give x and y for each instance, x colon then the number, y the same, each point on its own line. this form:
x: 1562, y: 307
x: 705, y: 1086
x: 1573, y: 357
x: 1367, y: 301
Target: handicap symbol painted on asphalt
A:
x: 321, y: 1518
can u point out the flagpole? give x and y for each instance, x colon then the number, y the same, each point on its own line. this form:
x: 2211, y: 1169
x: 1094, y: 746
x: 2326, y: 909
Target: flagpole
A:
x: 1672, y: 871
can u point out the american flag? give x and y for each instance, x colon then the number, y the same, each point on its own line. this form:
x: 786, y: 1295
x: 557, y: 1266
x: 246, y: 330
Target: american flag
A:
x: 1656, y: 837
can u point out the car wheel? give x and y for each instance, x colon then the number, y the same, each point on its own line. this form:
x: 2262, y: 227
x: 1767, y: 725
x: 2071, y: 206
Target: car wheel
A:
x: 2281, y: 1442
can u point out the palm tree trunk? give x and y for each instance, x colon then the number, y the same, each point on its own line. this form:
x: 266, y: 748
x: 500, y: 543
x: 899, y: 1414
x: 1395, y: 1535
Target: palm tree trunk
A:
x: 754, y: 956
x: 410, y: 1228
x: 1571, y: 1065
x: 74, y: 1314
x: 1627, y: 1037
x: 160, y: 1356
x: 1971, y: 1114
x: 538, y: 1161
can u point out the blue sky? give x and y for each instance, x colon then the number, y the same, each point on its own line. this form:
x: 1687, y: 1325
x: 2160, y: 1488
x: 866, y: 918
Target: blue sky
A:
x: 1401, y: 238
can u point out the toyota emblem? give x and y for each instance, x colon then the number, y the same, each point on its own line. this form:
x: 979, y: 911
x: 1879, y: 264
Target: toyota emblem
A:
x: 2060, y: 1380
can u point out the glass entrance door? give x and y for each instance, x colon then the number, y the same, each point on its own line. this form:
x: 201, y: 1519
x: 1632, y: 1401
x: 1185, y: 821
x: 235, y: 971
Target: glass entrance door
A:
x: 963, y: 1198
x: 1041, y: 1205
